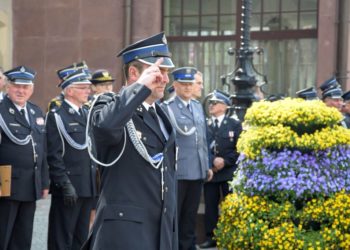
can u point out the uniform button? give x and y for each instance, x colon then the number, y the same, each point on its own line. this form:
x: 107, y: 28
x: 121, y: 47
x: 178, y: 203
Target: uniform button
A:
x: 166, y: 189
x: 121, y: 214
x: 164, y: 210
x: 35, y: 144
x: 36, y: 168
x: 68, y: 172
x: 166, y: 168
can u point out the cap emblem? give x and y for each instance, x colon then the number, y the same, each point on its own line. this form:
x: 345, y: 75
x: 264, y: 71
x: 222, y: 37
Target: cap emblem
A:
x: 164, y: 40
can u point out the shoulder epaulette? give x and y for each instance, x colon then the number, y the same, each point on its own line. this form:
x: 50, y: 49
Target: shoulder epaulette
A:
x: 234, y: 117
x: 55, y: 109
x: 33, y: 104
x: 196, y: 101
x: 166, y: 102
x: 105, y: 98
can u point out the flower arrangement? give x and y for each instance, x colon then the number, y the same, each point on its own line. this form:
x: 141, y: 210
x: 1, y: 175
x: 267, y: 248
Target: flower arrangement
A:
x: 291, y: 188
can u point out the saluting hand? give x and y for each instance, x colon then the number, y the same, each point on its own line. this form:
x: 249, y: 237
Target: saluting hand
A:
x: 152, y: 76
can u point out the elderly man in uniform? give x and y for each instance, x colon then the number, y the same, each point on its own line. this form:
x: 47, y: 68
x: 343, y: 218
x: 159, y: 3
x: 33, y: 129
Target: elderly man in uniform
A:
x: 136, y: 143
x: 332, y: 95
x: 22, y: 146
x: 223, y: 133
x: 62, y: 75
x: 72, y: 172
x: 187, y: 116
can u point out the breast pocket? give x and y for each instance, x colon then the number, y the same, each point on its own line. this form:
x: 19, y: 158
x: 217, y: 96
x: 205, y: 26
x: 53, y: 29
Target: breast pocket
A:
x: 185, y: 123
x: 76, y: 132
x: 40, y: 129
x: 122, y: 227
x: 19, y: 132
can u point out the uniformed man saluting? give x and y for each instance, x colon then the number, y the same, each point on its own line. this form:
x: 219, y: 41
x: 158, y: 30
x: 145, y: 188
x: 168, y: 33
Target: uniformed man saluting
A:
x: 22, y: 146
x: 72, y: 173
x: 132, y: 135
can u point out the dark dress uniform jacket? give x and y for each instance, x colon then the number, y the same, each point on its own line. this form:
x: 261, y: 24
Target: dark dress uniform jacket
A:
x: 75, y: 165
x: 29, y: 176
x: 131, y: 213
x: 223, y: 144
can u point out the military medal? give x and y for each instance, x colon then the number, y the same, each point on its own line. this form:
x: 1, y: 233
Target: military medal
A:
x: 231, y: 134
x: 40, y: 121
x: 139, y: 108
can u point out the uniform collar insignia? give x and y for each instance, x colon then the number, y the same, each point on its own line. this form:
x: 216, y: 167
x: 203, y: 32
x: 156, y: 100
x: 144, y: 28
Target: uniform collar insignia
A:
x: 139, y: 108
x: 32, y: 111
x: 224, y: 121
x: 71, y: 111
x: 11, y: 110
x: 209, y: 122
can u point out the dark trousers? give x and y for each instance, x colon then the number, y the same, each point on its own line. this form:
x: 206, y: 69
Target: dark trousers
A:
x: 68, y: 225
x: 16, y: 224
x: 189, y: 193
x: 213, y: 193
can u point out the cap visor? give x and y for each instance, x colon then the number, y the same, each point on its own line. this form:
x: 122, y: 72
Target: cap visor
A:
x: 167, y: 62
x: 22, y: 82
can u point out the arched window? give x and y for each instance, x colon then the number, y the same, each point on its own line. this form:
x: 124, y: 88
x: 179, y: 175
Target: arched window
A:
x: 201, y: 31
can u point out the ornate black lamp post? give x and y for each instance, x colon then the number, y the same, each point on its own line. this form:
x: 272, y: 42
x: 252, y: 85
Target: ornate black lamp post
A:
x: 244, y: 76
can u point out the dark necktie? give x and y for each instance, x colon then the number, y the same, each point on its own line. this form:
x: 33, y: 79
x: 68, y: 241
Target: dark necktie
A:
x: 82, y: 112
x: 23, y: 113
x: 216, y: 125
x: 153, y: 114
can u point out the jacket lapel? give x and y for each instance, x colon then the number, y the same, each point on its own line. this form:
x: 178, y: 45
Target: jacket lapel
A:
x: 73, y: 114
x: 17, y: 115
x: 184, y: 110
x: 149, y: 121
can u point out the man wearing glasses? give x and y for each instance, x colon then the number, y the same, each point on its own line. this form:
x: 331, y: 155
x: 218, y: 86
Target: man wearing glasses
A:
x: 72, y: 173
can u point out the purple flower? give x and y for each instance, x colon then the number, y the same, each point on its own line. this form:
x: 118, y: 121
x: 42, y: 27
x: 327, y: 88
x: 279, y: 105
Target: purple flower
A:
x: 295, y: 174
